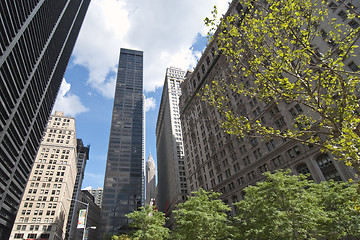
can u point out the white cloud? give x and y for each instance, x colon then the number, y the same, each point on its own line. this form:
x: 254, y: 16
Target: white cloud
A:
x: 150, y: 104
x: 163, y: 29
x: 67, y: 102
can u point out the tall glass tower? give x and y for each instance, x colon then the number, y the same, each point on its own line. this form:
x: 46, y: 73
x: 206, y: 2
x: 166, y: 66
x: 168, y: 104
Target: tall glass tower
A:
x: 124, y: 175
x: 36, y: 41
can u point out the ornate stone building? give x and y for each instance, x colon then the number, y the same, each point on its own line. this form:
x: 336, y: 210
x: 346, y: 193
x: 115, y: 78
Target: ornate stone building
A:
x: 227, y: 164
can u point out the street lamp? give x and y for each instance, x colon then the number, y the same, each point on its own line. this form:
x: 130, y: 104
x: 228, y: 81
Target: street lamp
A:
x: 87, y: 211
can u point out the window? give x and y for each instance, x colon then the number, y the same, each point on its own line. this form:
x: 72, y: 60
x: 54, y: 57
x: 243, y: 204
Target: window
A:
x: 328, y: 168
x: 354, y: 24
x: 225, y: 162
x: 212, y: 182
x: 332, y: 6
x: 19, y: 235
x: 280, y: 123
x: 353, y: 67
x: 251, y: 175
x: 277, y: 161
x: 236, y: 167
x: 293, y: 152
x: 254, y: 142
x: 303, y: 169
x: 257, y: 111
x: 257, y: 153
x: 240, y: 181
x: 220, y: 178
x: 270, y: 145
x: 227, y: 173
x: 31, y: 235
x: 242, y: 149
x: 246, y: 161
x: 343, y: 15
x: 263, y: 168
x: 231, y: 186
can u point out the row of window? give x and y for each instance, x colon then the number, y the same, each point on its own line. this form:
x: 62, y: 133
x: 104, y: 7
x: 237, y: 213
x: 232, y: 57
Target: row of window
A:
x: 47, y: 179
x: 38, y: 212
x: 36, y: 220
x: 33, y: 227
x: 39, y: 205
x: 31, y: 236
x: 41, y: 198
x: 324, y: 162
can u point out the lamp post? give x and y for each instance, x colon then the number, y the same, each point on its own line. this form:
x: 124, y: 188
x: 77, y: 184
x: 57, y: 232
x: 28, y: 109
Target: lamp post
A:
x: 87, y: 210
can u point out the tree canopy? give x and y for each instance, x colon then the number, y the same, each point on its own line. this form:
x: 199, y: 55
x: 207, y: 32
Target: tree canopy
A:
x: 286, y: 206
x: 292, y: 52
x: 283, y: 206
x: 149, y: 224
x: 202, y: 216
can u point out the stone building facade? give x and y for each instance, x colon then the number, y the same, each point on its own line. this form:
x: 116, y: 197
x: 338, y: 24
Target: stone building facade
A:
x: 172, y: 186
x: 226, y: 163
x: 44, y: 208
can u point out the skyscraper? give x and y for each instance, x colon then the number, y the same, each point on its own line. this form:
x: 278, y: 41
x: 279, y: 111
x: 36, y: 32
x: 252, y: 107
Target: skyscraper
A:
x: 172, y: 187
x: 36, y: 41
x: 124, y: 175
x: 44, y: 208
x: 97, y: 193
x: 81, y: 159
x: 150, y: 179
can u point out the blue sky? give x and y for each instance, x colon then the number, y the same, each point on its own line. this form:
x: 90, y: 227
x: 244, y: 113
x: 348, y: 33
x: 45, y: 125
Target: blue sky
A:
x: 171, y: 33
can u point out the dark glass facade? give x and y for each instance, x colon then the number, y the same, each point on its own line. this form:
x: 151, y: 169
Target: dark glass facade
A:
x: 36, y: 41
x: 124, y: 176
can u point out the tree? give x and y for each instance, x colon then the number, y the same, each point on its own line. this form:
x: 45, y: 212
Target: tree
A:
x: 121, y: 237
x: 149, y: 224
x: 273, y: 45
x: 286, y: 206
x: 202, y: 216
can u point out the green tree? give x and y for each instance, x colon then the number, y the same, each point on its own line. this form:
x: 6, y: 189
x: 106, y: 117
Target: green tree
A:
x: 286, y: 206
x: 202, y: 216
x: 149, y: 224
x: 120, y: 237
x: 273, y: 45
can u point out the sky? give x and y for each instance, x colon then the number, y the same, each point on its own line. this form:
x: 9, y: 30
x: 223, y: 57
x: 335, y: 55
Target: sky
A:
x: 170, y: 33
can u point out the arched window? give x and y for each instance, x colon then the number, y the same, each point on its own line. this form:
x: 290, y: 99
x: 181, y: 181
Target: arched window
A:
x: 303, y: 169
x: 328, y: 168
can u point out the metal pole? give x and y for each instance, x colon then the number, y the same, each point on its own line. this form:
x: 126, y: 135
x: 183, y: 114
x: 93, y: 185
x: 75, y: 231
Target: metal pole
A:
x: 87, y: 210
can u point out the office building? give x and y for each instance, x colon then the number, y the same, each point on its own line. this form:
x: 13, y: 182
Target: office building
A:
x: 36, y: 41
x: 93, y: 219
x: 81, y: 159
x: 97, y: 193
x: 44, y: 208
x: 125, y: 165
x: 150, y: 180
x: 172, y: 187
x: 226, y: 163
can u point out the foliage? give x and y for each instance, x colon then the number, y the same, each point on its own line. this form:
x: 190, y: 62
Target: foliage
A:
x: 273, y: 44
x: 121, y: 237
x: 286, y: 206
x: 202, y: 216
x: 149, y: 224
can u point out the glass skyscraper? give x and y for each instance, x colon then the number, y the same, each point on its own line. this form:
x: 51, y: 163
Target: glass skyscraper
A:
x: 36, y: 41
x: 124, y: 175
